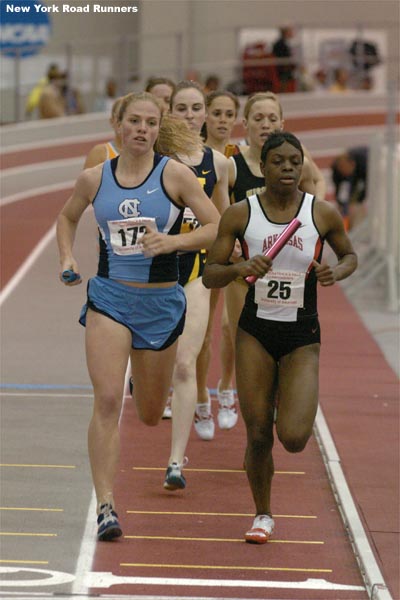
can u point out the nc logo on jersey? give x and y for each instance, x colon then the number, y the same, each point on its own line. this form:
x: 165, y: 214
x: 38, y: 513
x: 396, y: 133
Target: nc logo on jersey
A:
x: 129, y: 208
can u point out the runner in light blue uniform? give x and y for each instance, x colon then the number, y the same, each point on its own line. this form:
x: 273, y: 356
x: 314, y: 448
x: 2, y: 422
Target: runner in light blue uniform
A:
x: 135, y: 305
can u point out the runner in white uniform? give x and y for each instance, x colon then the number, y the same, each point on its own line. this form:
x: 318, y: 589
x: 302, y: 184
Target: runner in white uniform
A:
x: 278, y: 339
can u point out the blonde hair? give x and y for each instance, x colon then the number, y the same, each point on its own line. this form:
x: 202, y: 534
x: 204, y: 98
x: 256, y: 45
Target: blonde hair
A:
x: 261, y: 96
x: 115, y: 108
x: 174, y: 136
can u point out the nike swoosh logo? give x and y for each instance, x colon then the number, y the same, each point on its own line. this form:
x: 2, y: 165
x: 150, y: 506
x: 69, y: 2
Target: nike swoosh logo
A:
x: 206, y: 172
x: 155, y: 343
x: 152, y: 191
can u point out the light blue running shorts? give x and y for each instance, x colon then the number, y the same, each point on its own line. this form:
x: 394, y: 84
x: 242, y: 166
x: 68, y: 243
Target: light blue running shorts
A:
x: 154, y: 316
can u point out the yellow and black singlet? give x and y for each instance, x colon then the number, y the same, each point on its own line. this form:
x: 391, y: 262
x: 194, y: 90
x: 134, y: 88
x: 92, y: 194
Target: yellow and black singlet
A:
x: 191, y: 264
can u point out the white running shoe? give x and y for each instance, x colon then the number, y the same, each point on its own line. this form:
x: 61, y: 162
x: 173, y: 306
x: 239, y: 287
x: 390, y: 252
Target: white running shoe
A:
x: 204, y: 421
x: 261, y: 531
x: 227, y: 413
x: 167, y: 414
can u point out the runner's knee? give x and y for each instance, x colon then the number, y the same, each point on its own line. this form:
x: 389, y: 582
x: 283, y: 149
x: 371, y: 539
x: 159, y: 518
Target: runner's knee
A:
x: 294, y: 441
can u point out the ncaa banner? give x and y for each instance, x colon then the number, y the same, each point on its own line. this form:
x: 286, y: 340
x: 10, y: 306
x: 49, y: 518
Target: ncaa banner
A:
x: 25, y: 27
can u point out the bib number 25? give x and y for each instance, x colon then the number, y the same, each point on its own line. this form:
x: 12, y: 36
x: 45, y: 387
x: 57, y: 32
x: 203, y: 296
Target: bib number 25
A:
x: 279, y: 289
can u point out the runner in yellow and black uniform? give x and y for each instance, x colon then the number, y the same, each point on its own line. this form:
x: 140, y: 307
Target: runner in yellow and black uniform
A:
x: 211, y: 167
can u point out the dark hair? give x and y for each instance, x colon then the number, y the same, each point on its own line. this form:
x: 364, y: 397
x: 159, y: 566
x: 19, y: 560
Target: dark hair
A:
x: 277, y: 139
x: 221, y: 94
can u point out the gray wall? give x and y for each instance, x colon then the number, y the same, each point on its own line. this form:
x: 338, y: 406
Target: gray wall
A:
x: 169, y: 37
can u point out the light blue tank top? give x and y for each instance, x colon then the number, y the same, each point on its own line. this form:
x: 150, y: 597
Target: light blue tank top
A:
x: 123, y: 214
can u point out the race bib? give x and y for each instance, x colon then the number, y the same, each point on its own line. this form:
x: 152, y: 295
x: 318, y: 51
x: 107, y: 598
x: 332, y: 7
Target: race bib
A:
x: 125, y: 234
x: 280, y: 288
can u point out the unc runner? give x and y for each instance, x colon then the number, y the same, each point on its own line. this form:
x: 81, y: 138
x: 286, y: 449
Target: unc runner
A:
x: 135, y: 307
x: 278, y: 337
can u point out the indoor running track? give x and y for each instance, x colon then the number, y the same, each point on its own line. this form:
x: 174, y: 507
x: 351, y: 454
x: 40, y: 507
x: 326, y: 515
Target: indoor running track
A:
x: 176, y: 545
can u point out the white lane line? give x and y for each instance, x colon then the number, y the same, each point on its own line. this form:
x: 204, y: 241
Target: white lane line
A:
x: 106, y: 580
x: 42, y: 166
x: 46, y: 189
x: 62, y: 142
x: 84, y: 563
x: 29, y: 395
x: 87, y: 549
x: 369, y: 568
x: 28, y: 264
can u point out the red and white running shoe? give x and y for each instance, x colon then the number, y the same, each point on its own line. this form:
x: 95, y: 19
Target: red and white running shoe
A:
x: 261, y: 531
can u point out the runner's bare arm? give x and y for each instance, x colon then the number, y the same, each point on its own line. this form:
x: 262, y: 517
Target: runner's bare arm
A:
x: 220, y: 195
x: 219, y: 271
x: 183, y: 187
x: 68, y: 219
x: 330, y: 225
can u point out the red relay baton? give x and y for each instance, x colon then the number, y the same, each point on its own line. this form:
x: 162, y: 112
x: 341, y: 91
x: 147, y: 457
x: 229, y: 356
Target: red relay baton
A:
x: 277, y: 246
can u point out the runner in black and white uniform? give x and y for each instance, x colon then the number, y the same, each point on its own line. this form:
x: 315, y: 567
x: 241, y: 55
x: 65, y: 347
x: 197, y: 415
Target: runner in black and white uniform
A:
x: 262, y: 116
x: 278, y: 337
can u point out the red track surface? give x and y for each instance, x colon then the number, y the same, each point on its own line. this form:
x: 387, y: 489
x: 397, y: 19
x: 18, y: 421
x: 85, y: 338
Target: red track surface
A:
x: 359, y: 398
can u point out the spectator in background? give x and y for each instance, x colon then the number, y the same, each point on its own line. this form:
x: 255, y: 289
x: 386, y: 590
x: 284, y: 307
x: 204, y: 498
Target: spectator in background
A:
x: 52, y: 101
x: 364, y: 57
x: 212, y: 83
x: 305, y: 81
x: 320, y: 81
x: 72, y: 97
x: 340, y: 80
x: 349, y: 176
x: 282, y: 49
x: 105, y: 102
x: 33, y: 99
x: 366, y: 83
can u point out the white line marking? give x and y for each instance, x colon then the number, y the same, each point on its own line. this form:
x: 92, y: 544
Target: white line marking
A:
x: 41, y: 166
x: 106, y: 580
x: 65, y: 141
x: 369, y: 568
x: 51, y: 577
x: 84, y: 564
x: 88, y: 544
x: 28, y: 394
x: 54, y: 187
x: 27, y: 265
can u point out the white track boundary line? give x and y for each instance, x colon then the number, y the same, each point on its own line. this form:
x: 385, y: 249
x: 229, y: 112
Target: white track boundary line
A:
x: 41, y: 166
x: 27, y: 264
x: 84, y: 563
x: 87, y: 547
x: 46, y: 189
x: 59, y: 142
x: 370, y: 571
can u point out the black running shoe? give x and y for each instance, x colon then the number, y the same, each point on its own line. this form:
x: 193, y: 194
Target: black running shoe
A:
x: 108, y: 524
